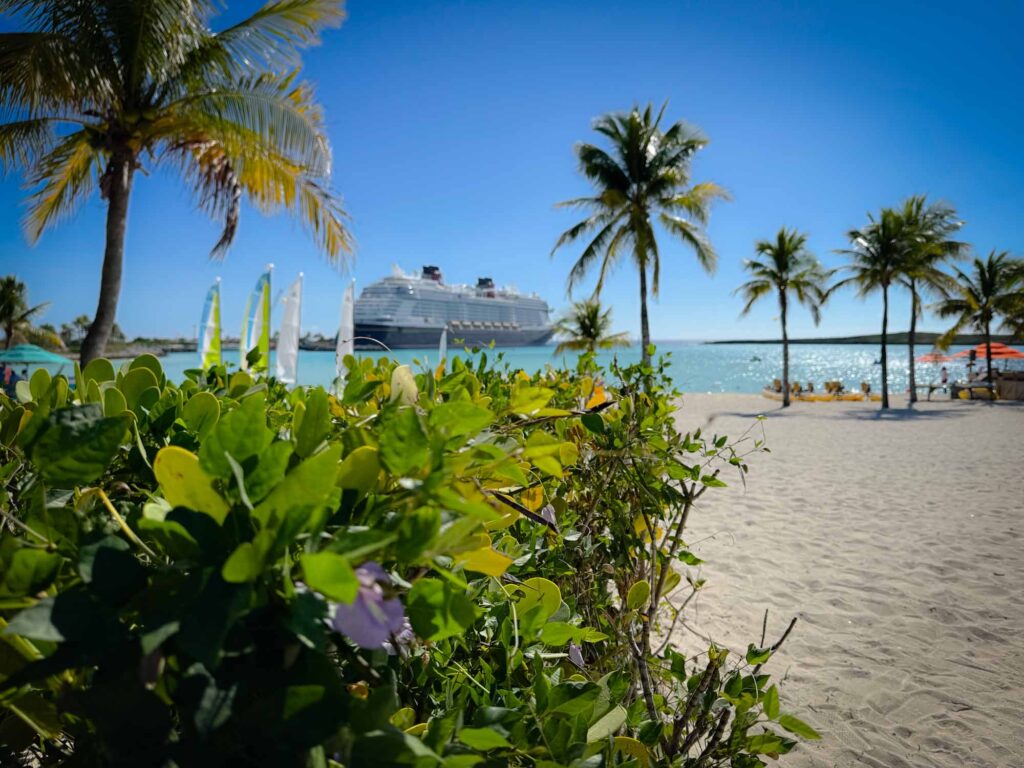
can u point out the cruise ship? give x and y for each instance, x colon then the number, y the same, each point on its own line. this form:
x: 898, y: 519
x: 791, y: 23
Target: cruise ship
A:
x: 407, y: 311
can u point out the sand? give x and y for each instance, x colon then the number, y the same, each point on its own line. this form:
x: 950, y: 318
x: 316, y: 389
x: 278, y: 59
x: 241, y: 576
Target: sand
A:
x: 897, y: 540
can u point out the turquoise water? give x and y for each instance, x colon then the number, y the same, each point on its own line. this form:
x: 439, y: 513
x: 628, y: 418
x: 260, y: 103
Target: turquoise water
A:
x: 695, y: 367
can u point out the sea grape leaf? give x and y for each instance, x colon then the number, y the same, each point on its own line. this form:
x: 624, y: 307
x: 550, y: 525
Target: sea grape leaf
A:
x: 638, y: 595
x: 185, y: 484
x: 437, y: 610
x: 113, y: 402
x: 483, y: 739
x: 484, y: 560
x: 558, y: 633
x: 269, y: 470
x: 98, y: 370
x: 459, y: 418
x: 771, y: 703
x: 404, y: 448
x: 359, y: 470
x: 201, y: 412
x: 28, y: 571
x: 308, y: 486
x: 316, y: 423
x: 39, y: 383
x: 76, y: 445
x: 241, y: 433
x: 799, y: 727
x: 757, y: 655
x: 135, y: 382
x: 607, y: 725
x: 331, y: 575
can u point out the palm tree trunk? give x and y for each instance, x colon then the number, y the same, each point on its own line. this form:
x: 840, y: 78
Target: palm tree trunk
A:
x: 645, y: 330
x: 988, y: 351
x: 119, y: 174
x: 910, y: 342
x: 785, y: 351
x: 885, y: 358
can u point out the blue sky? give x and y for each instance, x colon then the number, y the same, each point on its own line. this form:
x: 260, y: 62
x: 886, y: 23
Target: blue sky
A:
x: 453, y: 125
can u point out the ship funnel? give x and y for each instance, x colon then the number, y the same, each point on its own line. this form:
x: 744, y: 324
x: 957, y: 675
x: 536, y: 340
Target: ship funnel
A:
x: 431, y: 272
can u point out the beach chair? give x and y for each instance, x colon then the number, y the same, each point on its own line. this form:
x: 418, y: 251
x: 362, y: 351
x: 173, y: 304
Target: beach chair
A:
x: 865, y: 387
x: 776, y: 385
x: 810, y: 386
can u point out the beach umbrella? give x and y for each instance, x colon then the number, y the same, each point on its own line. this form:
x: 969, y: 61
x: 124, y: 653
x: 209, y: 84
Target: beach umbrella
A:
x: 933, y: 357
x: 25, y: 354
x: 1000, y: 351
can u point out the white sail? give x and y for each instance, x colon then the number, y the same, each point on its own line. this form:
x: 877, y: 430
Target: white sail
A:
x: 209, y: 329
x: 288, y: 337
x: 347, y: 329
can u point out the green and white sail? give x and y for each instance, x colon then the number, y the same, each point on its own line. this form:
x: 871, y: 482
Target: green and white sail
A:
x: 287, y: 359
x: 209, y: 329
x: 256, y: 328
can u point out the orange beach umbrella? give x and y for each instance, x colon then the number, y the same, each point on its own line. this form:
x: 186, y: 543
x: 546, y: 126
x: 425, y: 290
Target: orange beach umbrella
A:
x: 1000, y: 351
x: 933, y: 357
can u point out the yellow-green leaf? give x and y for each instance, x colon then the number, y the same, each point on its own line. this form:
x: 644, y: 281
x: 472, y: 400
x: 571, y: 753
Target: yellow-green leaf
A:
x: 185, y: 484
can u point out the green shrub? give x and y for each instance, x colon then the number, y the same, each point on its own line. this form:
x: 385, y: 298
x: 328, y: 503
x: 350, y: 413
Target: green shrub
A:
x: 472, y: 567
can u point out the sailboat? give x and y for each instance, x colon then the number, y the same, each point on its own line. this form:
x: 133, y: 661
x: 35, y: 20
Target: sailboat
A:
x: 287, y: 361
x: 256, y: 325
x: 209, y: 329
x: 345, y: 344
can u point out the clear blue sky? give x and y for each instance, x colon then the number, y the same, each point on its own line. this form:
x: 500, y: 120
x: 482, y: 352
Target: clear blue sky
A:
x: 453, y: 125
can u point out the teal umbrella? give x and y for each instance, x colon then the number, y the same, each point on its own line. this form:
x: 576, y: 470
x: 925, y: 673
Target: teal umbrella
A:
x: 25, y: 354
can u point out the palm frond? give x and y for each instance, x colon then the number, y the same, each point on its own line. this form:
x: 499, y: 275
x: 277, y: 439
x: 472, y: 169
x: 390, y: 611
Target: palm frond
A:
x: 691, y: 235
x: 65, y: 176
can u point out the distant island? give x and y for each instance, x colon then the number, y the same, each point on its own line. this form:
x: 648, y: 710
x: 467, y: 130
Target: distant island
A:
x: 922, y: 339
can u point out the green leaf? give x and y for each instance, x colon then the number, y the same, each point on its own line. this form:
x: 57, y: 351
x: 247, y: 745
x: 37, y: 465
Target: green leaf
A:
x: 201, y: 413
x: 308, y: 487
x: 242, y: 433
x: 711, y: 481
x: 573, y: 698
x: 594, y: 422
x: 558, y: 633
x: 404, y: 449
x: 459, y: 418
x: 98, y: 370
x: 135, y: 383
x: 757, y: 655
x: 483, y: 739
x: 114, y: 403
x: 771, y: 703
x: 607, y: 725
x: 359, y: 470
x: 243, y: 565
x: 76, y: 445
x: 638, y: 595
x: 316, y: 423
x: 438, y: 610
x: 799, y: 727
x: 269, y: 470
x: 150, y: 363
x: 28, y: 571
x: 185, y: 484
x: 39, y: 383
x: 330, y: 575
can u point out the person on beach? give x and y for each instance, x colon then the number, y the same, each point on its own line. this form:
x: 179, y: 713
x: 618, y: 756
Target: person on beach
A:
x: 944, y: 376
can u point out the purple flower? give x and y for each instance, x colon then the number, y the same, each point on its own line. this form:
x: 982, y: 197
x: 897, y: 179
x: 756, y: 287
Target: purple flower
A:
x: 371, y: 619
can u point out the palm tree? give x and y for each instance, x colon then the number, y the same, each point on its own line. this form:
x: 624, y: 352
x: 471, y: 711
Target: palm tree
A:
x: 15, y: 313
x: 587, y: 328
x: 992, y: 291
x: 99, y: 90
x: 644, y: 177
x: 928, y: 229
x: 876, y: 262
x: 786, y: 267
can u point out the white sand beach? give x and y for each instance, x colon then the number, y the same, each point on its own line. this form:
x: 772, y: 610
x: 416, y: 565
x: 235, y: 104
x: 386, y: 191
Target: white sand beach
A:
x: 897, y: 540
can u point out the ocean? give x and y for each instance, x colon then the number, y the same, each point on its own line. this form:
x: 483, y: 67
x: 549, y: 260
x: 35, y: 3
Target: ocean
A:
x: 694, y: 366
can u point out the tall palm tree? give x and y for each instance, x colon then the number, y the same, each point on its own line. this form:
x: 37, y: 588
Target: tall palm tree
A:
x: 786, y: 267
x: 642, y: 178
x: 991, y: 291
x: 97, y: 90
x: 877, y: 260
x: 15, y: 313
x: 587, y: 327
x: 928, y: 229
